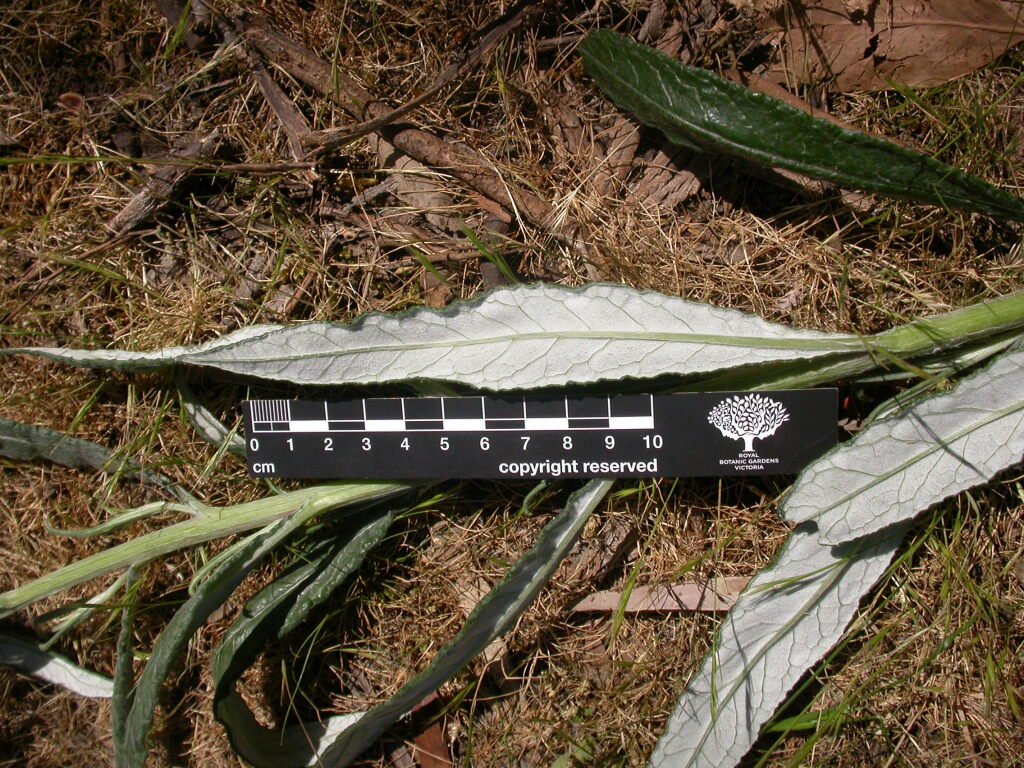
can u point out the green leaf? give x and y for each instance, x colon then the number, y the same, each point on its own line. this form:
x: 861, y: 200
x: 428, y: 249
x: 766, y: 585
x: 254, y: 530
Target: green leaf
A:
x: 861, y: 494
x: 51, y: 668
x: 545, y: 335
x: 218, y: 524
x: 270, y: 615
x: 206, y: 425
x: 693, y: 106
x: 786, y: 619
x: 24, y: 442
x: 127, y: 517
x: 523, y: 336
x: 124, y: 676
x: 492, y: 617
x: 191, y: 616
x: 899, y: 466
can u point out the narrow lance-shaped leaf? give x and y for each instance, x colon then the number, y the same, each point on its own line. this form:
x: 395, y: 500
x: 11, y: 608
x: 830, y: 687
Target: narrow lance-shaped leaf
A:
x: 269, y: 616
x: 220, y: 523
x: 524, y: 336
x: 207, y: 426
x: 492, y: 617
x: 787, y: 618
x: 545, y: 335
x: 694, y: 106
x: 795, y: 610
x: 191, y: 616
x: 25, y: 442
x: 897, y: 467
x: 124, y: 676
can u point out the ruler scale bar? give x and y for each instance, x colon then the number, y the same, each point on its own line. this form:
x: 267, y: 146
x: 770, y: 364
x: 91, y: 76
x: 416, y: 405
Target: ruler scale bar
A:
x: 516, y: 436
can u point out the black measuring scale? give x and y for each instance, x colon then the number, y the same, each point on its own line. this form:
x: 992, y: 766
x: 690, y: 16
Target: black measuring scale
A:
x: 532, y: 437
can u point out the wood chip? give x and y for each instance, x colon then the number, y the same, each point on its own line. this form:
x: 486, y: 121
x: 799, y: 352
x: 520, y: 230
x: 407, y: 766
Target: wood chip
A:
x: 718, y: 595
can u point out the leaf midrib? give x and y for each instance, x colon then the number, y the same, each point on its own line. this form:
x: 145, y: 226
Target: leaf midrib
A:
x: 825, y: 345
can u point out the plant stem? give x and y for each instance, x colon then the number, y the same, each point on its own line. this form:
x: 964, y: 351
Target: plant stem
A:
x: 220, y: 522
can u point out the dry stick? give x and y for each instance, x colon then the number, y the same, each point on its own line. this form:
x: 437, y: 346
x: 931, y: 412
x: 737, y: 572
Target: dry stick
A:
x: 467, y: 166
x: 333, y: 138
x: 161, y: 186
x: 293, y: 123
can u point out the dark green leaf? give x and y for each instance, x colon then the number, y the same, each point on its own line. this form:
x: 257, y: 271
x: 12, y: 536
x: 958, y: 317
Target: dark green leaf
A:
x: 123, y: 678
x: 24, y: 442
x: 173, y: 640
x: 270, y: 615
x: 491, y: 618
x: 693, y: 106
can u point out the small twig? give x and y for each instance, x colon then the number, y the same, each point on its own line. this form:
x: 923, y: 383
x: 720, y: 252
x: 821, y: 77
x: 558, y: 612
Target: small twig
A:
x: 332, y: 138
x: 368, y: 195
x: 161, y: 186
x: 469, y: 167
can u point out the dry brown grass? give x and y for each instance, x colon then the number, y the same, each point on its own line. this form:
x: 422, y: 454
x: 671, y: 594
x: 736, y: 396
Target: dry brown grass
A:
x: 234, y: 248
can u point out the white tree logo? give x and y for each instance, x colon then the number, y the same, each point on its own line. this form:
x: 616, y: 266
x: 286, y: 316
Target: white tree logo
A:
x: 748, y: 418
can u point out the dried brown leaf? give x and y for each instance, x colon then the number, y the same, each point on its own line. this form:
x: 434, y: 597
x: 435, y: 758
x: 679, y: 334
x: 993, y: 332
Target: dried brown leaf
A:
x: 430, y: 749
x: 910, y: 42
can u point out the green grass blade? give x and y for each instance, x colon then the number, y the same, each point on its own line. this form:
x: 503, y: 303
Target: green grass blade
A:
x: 270, y: 615
x: 695, y: 106
x: 491, y: 255
x: 220, y: 523
x: 492, y: 617
x: 901, y: 465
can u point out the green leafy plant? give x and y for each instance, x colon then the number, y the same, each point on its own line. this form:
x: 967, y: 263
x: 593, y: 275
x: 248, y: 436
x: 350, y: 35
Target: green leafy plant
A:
x: 788, y: 617
x: 700, y: 109
x: 852, y: 508
x: 857, y: 501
